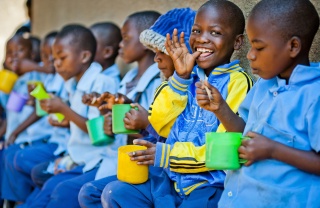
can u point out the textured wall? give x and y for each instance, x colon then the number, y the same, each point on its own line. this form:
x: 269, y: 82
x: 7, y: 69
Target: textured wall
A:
x: 49, y: 15
x: 12, y: 14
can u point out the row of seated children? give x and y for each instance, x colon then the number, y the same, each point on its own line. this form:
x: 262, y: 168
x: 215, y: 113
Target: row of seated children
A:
x: 73, y: 51
x: 191, y: 112
x: 282, y: 156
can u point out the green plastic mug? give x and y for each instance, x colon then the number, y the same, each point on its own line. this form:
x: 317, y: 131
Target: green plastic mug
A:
x: 222, y: 150
x: 118, y: 114
x: 39, y: 110
x: 96, y: 133
x: 40, y: 94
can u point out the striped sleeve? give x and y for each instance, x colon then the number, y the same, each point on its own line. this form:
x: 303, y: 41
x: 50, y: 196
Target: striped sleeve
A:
x: 168, y: 104
x: 182, y: 157
x: 239, y: 85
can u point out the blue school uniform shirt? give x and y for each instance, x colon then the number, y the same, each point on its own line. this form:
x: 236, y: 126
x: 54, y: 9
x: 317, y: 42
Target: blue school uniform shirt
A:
x: 79, y: 146
x: 146, y: 86
x: 3, y: 102
x: 54, y: 84
x: 113, y: 72
x: 288, y: 114
x: 14, y: 119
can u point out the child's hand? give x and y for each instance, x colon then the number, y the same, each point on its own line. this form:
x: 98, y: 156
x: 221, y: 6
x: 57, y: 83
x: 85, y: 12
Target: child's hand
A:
x: 111, y: 99
x: 11, y: 140
x: 52, y: 105
x: 107, y: 126
x: 91, y: 99
x: 183, y: 61
x: 210, y: 102
x: 136, y: 119
x: 64, y: 123
x: 144, y: 157
x: 257, y: 148
x: 57, y: 167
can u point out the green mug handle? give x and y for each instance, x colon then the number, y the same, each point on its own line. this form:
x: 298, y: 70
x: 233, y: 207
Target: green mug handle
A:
x: 242, y: 161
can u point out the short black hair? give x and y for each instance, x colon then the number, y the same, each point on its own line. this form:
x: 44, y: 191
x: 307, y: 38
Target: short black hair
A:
x: 144, y: 19
x: 234, y: 14
x: 35, y: 48
x: 23, y: 40
x: 28, y: 3
x: 50, y: 35
x: 81, y: 38
x: 110, y: 33
x: 290, y: 17
x: 49, y: 38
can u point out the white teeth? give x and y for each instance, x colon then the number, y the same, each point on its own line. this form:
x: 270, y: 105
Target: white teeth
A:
x: 204, y: 50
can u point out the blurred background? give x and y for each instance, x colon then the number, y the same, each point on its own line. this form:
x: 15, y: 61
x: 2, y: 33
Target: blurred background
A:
x: 48, y: 15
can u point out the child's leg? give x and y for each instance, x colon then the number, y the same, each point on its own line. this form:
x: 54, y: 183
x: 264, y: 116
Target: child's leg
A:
x: 40, y: 175
x: 43, y: 197
x: 66, y: 193
x: 8, y: 173
x: 24, y: 159
x: 158, y: 191
x: 203, y: 197
x: 121, y: 194
x: 90, y: 193
x: 28, y: 158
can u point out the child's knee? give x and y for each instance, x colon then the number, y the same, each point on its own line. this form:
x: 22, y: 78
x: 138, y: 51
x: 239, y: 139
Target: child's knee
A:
x: 18, y: 160
x: 86, y: 194
x: 64, y: 191
x: 113, y: 192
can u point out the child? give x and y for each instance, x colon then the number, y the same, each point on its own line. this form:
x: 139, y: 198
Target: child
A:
x: 185, y: 181
x: 145, y: 77
x: 17, y: 135
x: 280, y: 113
x: 153, y: 38
x: 108, y: 36
x: 25, y: 159
x: 73, y: 51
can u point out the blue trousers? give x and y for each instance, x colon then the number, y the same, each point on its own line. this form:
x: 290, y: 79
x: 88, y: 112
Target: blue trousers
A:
x: 62, y: 190
x: 157, y: 192
x: 1, y: 151
x: 90, y: 193
x: 21, y: 184
x: 40, y: 175
x: 8, y: 173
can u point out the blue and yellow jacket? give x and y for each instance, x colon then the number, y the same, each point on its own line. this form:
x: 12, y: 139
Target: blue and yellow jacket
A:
x: 176, y: 115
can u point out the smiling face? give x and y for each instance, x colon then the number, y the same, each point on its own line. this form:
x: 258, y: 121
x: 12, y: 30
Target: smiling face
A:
x: 165, y: 63
x: 130, y: 47
x: 17, y: 49
x: 213, y: 35
x: 269, y: 54
x: 67, y: 59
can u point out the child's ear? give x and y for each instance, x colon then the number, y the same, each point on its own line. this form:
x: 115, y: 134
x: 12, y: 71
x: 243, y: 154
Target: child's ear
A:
x: 238, y: 42
x: 85, y: 56
x: 295, y: 46
x: 108, y: 52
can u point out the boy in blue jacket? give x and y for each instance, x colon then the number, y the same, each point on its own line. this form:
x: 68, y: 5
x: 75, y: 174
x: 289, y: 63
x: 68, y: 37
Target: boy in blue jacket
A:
x: 186, y: 182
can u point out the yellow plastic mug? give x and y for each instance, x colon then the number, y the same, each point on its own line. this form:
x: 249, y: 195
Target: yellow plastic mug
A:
x: 129, y: 171
x: 7, y: 80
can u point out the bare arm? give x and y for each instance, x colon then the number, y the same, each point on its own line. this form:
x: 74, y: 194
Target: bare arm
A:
x: 24, y: 125
x: 3, y: 127
x: 56, y: 105
x: 74, y: 117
